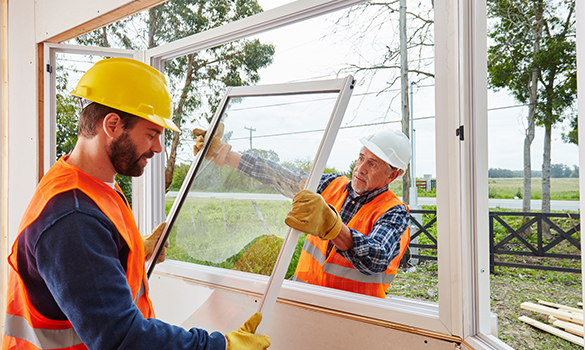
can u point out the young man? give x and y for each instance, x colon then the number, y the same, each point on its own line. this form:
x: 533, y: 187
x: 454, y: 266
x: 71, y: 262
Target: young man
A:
x: 358, y: 228
x: 77, y: 277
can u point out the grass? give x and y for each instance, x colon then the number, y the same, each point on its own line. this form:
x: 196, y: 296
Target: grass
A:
x: 510, y: 188
x: 509, y: 287
x: 242, y: 242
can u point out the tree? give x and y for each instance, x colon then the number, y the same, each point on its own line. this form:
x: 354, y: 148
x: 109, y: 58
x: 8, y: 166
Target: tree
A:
x: 500, y: 173
x: 533, y: 56
x: 198, y: 79
x: 381, y: 21
x: 560, y: 170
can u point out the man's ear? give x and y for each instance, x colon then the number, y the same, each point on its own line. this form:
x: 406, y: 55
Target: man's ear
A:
x: 393, y: 175
x: 112, y: 125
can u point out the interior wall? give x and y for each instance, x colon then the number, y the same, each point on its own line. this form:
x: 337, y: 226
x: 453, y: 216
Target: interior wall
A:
x: 53, y: 24
x: 22, y: 106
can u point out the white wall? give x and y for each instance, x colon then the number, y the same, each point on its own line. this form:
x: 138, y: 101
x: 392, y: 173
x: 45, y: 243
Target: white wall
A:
x: 22, y: 104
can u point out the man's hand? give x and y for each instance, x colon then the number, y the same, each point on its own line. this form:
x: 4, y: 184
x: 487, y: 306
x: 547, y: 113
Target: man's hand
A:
x: 150, y: 240
x: 245, y: 339
x: 310, y: 214
x: 218, y: 150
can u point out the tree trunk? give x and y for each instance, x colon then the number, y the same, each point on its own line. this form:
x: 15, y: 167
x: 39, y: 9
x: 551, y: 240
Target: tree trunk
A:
x: 172, y: 155
x: 404, y: 95
x: 530, y: 120
x: 533, y: 98
x: 546, y: 178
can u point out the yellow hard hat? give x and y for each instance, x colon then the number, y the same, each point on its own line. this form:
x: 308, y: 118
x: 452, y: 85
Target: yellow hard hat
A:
x: 129, y: 86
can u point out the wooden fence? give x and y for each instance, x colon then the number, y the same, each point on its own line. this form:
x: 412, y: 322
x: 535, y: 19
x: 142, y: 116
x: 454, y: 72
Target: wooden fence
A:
x: 538, y: 242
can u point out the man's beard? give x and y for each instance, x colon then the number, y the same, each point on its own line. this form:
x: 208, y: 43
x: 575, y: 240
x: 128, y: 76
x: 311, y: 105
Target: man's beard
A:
x: 124, y: 157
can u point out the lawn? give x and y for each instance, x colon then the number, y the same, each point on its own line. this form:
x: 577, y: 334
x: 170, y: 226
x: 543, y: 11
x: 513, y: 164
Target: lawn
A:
x: 509, y: 287
x: 510, y: 188
x: 245, y: 235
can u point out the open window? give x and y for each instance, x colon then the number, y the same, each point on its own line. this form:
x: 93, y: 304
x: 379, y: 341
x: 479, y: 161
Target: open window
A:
x: 463, y: 284
x: 265, y: 144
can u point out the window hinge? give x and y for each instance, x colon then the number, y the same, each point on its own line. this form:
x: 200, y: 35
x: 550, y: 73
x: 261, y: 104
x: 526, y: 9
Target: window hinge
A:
x: 459, y: 132
x: 49, y: 68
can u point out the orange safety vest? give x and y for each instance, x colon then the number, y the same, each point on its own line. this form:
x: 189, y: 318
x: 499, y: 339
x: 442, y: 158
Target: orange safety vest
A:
x: 25, y: 327
x: 334, y: 270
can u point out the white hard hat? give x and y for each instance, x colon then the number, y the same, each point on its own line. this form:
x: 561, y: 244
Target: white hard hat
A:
x: 392, y: 146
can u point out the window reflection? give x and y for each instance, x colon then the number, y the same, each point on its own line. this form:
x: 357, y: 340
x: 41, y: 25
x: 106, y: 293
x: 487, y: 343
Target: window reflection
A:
x: 232, y: 221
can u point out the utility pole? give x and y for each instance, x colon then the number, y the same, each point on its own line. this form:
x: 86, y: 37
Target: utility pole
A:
x: 413, y: 189
x: 251, y: 129
x: 404, y: 94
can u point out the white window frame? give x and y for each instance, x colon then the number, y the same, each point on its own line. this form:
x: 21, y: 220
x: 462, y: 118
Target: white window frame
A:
x: 154, y: 172
x: 461, y: 95
x: 444, y: 317
x: 50, y: 109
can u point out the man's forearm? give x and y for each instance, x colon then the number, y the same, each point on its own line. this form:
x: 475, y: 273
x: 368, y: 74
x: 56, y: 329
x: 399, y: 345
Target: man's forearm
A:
x: 233, y: 159
x: 344, y: 241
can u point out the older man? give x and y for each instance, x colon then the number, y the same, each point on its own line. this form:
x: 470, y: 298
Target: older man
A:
x: 358, y: 228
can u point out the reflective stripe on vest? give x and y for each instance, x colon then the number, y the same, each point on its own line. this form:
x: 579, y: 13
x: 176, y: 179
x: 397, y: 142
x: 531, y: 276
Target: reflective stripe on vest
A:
x: 345, y: 272
x: 337, y: 272
x: 18, y: 327
x: 60, y: 178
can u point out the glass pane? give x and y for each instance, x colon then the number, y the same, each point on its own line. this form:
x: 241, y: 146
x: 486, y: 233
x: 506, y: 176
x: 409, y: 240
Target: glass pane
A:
x: 232, y: 221
x: 533, y: 175
x: 362, y: 41
x: 69, y: 69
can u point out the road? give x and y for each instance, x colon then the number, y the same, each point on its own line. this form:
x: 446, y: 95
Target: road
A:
x: 494, y: 203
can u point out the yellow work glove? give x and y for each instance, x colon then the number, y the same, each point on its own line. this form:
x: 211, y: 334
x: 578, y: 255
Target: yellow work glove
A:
x: 311, y: 214
x: 218, y: 150
x: 149, y: 242
x: 245, y: 339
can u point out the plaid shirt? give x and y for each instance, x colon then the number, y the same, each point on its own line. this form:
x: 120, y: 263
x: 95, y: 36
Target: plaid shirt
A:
x: 371, y: 254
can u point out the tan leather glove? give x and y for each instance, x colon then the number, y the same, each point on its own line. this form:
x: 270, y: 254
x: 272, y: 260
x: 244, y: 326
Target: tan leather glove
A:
x: 149, y: 242
x: 311, y: 214
x: 245, y: 339
x: 218, y: 150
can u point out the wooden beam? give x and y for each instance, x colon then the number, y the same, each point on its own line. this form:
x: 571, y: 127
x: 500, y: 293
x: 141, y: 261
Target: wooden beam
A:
x: 105, y: 19
x: 569, y: 327
x: 560, y: 314
x: 560, y: 306
x: 552, y: 330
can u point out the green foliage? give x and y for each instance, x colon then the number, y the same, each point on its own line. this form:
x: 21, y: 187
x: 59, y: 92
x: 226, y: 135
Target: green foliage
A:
x: 514, y: 58
x: 294, y: 261
x: 572, y: 136
x: 266, y: 154
x: 179, y: 175
x: 497, y: 172
x: 67, y: 114
x: 304, y: 164
x: 560, y: 170
x: 349, y: 172
x: 125, y: 183
x: 197, y: 80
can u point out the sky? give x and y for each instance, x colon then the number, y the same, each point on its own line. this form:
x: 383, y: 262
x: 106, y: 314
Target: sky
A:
x: 311, y: 51
x: 319, y: 49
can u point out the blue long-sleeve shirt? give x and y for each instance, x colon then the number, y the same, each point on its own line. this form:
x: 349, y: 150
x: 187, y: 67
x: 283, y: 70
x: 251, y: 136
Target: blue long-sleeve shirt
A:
x: 73, y: 263
x: 371, y: 254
